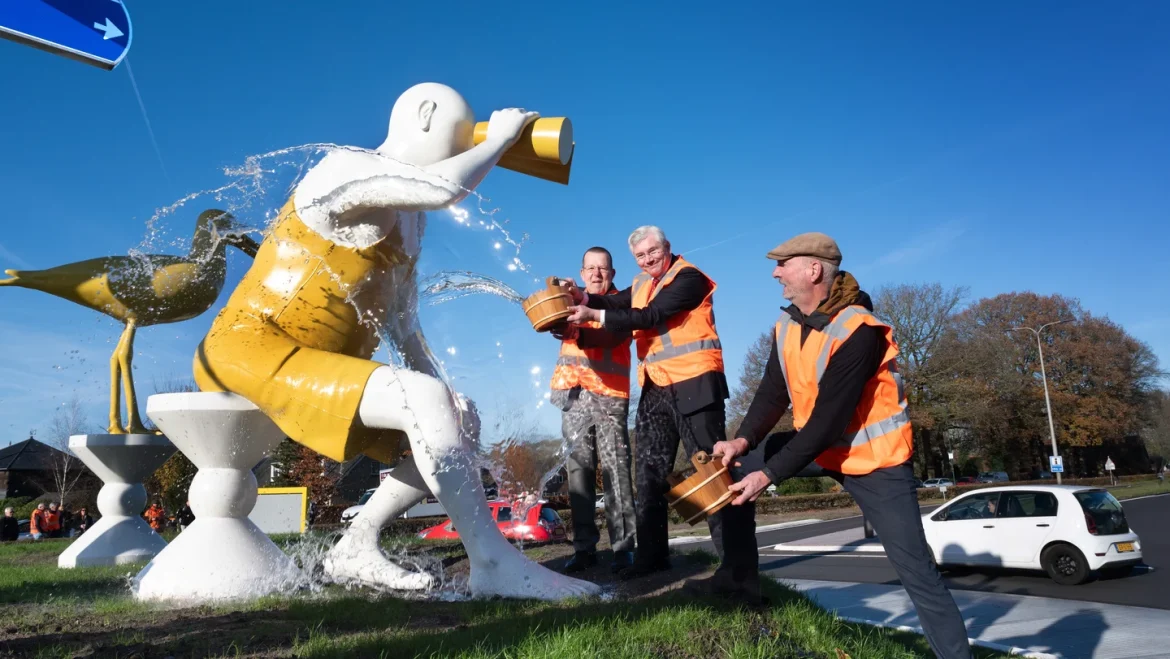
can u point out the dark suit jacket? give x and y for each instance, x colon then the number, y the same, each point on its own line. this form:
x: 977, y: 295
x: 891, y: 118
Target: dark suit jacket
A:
x: 684, y: 293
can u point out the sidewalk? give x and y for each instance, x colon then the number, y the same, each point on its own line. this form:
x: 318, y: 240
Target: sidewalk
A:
x: 1017, y: 624
x: 842, y: 542
x: 691, y: 539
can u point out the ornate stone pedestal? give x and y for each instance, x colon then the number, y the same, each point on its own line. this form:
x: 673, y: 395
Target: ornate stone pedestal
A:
x: 222, y: 555
x: 121, y: 535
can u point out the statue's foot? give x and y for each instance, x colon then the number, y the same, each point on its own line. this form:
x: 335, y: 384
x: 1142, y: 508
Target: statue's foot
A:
x: 513, y: 575
x: 115, y: 429
x: 368, y: 567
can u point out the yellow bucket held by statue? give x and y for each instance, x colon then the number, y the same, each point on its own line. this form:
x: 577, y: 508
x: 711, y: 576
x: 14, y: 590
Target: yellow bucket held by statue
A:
x: 544, y: 149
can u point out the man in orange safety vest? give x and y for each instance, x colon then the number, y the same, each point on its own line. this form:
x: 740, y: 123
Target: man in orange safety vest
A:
x: 591, y: 386
x: 835, y: 364
x: 670, y: 310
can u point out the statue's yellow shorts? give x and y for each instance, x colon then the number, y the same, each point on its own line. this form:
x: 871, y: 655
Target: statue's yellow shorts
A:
x: 312, y: 395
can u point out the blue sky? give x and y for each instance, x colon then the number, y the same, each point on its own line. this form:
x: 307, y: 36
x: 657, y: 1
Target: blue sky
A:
x: 1004, y: 147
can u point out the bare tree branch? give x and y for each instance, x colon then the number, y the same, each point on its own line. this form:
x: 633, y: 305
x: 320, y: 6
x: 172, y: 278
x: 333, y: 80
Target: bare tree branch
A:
x: 66, y: 468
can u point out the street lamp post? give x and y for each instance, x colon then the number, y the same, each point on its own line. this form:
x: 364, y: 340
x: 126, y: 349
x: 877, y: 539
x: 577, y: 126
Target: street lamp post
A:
x: 1044, y: 379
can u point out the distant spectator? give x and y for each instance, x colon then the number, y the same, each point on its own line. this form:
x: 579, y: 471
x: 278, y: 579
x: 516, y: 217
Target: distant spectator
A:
x: 9, y: 527
x: 156, y: 516
x: 52, y: 526
x: 83, y: 520
x: 185, y: 516
x: 36, y: 523
x: 66, y: 521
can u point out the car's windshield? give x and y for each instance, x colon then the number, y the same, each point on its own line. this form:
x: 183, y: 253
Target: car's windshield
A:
x: 1105, y: 511
x: 365, y: 497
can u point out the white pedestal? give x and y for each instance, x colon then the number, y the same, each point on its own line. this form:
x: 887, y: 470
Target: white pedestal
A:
x: 121, y: 535
x: 222, y: 555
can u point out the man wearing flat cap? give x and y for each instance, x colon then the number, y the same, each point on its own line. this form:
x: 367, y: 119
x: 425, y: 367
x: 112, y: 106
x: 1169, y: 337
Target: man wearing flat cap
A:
x: 836, y: 365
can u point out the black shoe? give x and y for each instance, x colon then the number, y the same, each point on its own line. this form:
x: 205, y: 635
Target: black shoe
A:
x: 582, y: 560
x: 641, y: 568
x: 622, y: 560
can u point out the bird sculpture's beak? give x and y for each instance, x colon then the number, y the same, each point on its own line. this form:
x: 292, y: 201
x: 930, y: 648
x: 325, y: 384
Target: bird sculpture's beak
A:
x: 246, y: 244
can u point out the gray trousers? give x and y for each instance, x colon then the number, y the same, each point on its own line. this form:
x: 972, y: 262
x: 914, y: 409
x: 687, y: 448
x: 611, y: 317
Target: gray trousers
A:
x: 888, y: 499
x: 595, y: 427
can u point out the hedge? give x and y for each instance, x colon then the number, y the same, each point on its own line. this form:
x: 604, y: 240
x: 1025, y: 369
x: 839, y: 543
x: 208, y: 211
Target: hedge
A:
x: 766, y: 505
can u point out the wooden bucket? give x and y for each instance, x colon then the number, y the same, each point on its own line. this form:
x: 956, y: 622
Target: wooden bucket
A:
x: 703, y: 493
x: 548, y: 308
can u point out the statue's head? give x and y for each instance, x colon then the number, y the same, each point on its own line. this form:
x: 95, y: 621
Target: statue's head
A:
x: 430, y: 122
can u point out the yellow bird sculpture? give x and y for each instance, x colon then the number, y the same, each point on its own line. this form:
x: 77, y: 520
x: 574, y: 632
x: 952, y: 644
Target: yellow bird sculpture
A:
x: 144, y: 290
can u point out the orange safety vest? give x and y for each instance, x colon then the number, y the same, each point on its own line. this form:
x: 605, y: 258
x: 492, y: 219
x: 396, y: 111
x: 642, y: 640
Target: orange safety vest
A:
x: 604, y: 371
x: 36, y: 521
x: 879, y: 434
x: 155, y: 517
x: 52, y: 521
x: 686, y: 345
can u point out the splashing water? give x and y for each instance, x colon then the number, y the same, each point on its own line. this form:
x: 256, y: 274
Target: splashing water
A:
x: 451, y: 285
x: 520, y: 457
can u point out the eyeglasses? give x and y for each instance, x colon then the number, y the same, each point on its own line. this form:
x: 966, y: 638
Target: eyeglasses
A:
x: 596, y: 268
x: 651, y: 254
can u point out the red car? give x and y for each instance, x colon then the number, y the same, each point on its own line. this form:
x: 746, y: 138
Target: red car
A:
x: 542, y: 525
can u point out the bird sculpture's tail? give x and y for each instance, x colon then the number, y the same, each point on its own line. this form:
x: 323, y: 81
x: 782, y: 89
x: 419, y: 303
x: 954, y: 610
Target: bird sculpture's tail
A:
x: 15, y: 278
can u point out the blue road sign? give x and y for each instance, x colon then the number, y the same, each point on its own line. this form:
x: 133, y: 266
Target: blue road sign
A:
x: 1056, y: 464
x: 96, y: 32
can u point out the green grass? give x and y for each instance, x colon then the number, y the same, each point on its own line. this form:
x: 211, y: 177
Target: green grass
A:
x: 48, y: 612
x: 1139, y: 489
x: 659, y: 627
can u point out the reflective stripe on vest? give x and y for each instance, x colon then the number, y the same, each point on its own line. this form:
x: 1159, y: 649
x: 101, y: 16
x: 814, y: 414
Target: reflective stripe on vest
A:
x: 603, y: 371
x: 856, y: 452
x: 605, y: 366
x: 686, y: 345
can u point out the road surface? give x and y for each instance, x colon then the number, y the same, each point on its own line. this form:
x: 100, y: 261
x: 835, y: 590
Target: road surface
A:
x: 1147, y: 586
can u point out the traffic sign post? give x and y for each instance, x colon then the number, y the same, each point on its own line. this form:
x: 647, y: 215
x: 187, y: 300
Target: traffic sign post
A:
x: 1056, y: 464
x: 1109, y: 467
x: 96, y: 32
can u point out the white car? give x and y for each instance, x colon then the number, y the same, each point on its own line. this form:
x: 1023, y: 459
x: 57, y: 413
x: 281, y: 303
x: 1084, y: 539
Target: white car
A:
x: 1068, y: 531
x: 939, y: 482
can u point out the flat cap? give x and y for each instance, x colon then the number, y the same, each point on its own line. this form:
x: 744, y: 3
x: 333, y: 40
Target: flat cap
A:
x: 808, y: 244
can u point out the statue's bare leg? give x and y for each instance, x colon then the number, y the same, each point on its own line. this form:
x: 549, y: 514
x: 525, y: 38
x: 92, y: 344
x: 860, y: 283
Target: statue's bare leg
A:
x: 421, y: 406
x: 357, y: 558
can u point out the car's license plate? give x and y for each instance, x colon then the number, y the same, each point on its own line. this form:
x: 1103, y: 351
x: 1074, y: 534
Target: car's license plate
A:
x: 1123, y: 547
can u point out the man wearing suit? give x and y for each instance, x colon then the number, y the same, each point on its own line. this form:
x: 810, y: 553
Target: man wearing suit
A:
x: 669, y: 309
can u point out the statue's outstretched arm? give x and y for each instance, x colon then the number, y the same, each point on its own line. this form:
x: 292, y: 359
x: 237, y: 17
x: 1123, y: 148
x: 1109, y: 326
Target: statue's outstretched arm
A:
x: 388, y: 183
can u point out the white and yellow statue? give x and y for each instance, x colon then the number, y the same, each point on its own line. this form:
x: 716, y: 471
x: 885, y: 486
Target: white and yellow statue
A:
x: 297, y: 335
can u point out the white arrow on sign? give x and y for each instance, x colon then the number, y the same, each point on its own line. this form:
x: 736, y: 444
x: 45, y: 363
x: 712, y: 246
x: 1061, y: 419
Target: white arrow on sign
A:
x: 111, y: 30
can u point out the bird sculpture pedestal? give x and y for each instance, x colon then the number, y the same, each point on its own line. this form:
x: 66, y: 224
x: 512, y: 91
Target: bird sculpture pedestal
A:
x: 222, y: 555
x: 121, y: 535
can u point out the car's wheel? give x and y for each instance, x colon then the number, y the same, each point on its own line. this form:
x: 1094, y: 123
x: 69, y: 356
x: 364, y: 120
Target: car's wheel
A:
x: 1065, y: 564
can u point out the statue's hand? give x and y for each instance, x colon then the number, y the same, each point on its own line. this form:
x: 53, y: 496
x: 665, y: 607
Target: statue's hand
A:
x: 506, y: 125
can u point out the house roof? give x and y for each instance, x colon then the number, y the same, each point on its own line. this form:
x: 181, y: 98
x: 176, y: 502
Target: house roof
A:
x: 29, y: 455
